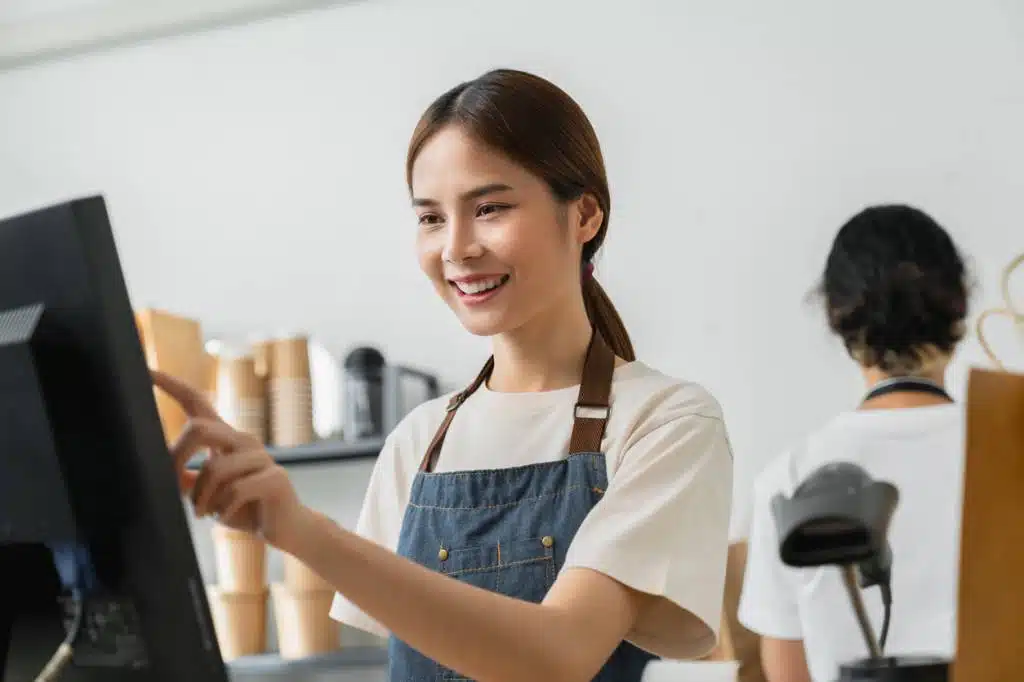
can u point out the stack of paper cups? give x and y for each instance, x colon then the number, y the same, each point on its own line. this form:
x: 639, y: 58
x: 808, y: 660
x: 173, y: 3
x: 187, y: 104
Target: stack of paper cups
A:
x: 291, y: 395
x: 210, y: 367
x: 240, y: 395
x: 239, y: 621
x: 239, y: 600
x: 302, y: 605
x: 300, y: 577
x: 261, y: 350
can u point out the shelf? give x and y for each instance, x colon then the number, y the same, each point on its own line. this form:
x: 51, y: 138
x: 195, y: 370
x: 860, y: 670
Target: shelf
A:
x: 340, y: 660
x: 320, y: 452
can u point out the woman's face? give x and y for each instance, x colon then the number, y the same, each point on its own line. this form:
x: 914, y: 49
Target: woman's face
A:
x: 497, y: 245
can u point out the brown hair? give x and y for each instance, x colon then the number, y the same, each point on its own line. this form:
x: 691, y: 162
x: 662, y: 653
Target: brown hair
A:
x: 540, y: 127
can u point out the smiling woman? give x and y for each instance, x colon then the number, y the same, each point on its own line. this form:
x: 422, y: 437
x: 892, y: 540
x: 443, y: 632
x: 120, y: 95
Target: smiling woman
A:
x: 532, y: 166
x: 565, y: 517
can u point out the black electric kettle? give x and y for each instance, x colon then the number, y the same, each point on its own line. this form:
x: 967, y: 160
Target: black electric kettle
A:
x: 376, y: 396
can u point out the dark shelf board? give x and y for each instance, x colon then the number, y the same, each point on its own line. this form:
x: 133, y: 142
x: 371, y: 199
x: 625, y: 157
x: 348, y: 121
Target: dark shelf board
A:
x: 320, y: 452
x: 353, y: 657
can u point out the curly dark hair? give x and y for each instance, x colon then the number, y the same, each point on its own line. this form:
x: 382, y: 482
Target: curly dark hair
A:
x: 895, y: 289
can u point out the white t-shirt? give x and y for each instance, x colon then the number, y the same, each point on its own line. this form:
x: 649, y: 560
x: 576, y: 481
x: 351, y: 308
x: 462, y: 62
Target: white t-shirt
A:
x: 919, y: 450
x: 662, y: 526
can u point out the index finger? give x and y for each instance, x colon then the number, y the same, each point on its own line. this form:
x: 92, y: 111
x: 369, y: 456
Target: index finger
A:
x: 192, y: 401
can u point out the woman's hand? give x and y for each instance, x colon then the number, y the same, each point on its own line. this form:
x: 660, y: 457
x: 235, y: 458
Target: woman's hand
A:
x: 239, y: 483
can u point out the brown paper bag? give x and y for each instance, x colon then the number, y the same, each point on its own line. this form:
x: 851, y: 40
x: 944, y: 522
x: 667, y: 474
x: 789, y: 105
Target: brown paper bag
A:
x: 990, y: 614
x: 173, y: 344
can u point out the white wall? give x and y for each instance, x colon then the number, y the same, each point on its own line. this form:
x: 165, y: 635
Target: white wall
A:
x: 255, y: 175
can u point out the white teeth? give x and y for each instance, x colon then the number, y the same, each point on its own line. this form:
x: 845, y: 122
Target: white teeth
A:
x: 480, y: 286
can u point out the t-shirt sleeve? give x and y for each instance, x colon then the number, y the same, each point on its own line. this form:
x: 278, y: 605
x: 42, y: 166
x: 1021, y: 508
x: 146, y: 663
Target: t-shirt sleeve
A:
x: 380, y: 520
x: 662, y: 528
x: 768, y: 605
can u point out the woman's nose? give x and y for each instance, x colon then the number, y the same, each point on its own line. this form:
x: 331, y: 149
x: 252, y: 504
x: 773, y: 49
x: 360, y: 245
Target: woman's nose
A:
x: 462, y: 243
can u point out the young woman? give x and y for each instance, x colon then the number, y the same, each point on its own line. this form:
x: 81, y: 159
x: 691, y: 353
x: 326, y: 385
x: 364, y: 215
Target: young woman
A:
x: 895, y: 292
x: 565, y: 517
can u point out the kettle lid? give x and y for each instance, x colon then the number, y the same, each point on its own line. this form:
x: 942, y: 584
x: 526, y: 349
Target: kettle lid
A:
x: 364, y: 358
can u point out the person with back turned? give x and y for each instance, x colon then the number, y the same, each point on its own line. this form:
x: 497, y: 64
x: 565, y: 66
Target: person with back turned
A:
x: 895, y: 291
x: 565, y: 517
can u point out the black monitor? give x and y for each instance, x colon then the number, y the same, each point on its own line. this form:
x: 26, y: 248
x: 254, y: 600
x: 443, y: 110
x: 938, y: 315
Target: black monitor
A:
x: 85, y: 475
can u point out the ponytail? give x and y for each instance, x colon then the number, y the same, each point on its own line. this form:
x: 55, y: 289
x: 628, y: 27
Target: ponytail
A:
x: 605, y: 319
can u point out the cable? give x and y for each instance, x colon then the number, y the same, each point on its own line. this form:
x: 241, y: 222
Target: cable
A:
x: 74, y: 567
x: 887, y: 603
x: 53, y: 668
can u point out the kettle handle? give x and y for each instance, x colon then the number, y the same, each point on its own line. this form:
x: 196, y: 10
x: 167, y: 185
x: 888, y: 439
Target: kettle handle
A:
x: 393, y: 409
x: 433, y: 385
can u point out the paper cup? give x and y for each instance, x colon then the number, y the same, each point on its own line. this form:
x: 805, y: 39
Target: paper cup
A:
x: 240, y: 621
x: 299, y: 577
x: 303, y: 622
x: 291, y: 411
x: 241, y: 560
x: 289, y: 358
x: 262, y: 350
x: 241, y: 395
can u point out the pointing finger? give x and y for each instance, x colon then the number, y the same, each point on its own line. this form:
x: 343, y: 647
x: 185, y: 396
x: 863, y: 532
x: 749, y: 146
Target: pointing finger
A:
x: 192, y: 401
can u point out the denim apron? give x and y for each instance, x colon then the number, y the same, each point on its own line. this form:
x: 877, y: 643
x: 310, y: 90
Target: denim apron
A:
x: 508, y: 530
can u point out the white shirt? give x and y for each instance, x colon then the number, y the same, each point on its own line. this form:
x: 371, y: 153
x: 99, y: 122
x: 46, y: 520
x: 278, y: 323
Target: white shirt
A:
x: 662, y: 526
x: 919, y: 450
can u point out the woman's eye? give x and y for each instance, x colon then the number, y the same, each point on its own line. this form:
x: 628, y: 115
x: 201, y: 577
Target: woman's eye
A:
x: 429, y: 219
x: 489, y: 210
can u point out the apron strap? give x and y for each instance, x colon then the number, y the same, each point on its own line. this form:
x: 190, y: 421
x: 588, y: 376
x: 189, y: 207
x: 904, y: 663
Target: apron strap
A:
x: 434, y: 449
x: 594, y: 402
x: 590, y: 414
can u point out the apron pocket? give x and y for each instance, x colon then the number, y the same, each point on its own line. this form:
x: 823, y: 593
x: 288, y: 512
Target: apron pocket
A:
x: 521, y: 568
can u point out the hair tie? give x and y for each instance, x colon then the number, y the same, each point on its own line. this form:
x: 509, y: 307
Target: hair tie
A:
x: 588, y: 270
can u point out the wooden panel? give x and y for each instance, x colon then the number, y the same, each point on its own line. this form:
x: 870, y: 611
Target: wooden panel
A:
x: 990, y: 621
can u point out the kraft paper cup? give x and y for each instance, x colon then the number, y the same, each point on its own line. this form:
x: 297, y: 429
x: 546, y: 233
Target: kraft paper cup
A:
x: 241, y: 395
x: 291, y: 411
x: 262, y: 350
x: 298, y: 577
x: 241, y: 560
x: 289, y: 358
x: 303, y: 622
x: 240, y: 621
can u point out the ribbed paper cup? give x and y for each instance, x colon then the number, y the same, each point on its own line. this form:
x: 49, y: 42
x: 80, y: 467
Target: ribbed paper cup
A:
x: 289, y: 358
x: 262, y: 351
x: 299, y: 577
x: 240, y: 621
x: 241, y: 560
x: 303, y: 622
x: 241, y: 395
x: 291, y: 411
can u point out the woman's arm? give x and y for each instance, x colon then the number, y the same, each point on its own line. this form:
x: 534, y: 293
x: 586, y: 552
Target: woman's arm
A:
x: 483, y: 635
x: 769, y: 604
x: 784, y: 660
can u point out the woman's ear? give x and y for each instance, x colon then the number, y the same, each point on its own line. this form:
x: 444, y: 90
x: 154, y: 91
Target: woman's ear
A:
x: 588, y: 218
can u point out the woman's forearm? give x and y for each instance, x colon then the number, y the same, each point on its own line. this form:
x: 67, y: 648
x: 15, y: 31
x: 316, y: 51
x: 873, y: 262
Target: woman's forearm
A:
x: 480, y: 634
